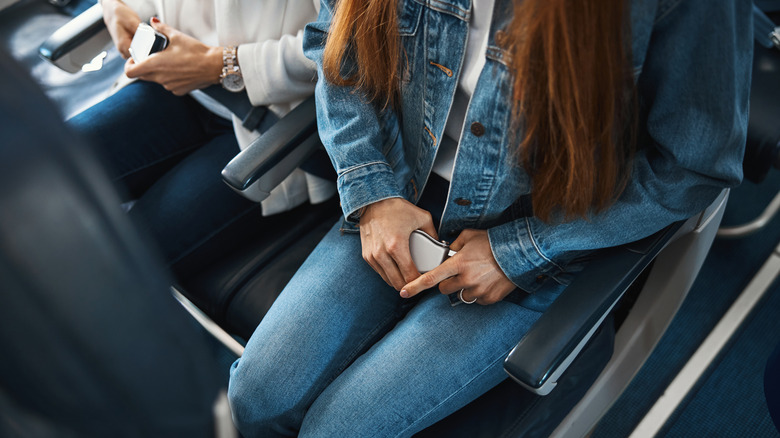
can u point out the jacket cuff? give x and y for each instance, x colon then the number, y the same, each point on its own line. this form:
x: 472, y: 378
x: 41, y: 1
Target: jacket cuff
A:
x: 362, y: 185
x: 518, y: 255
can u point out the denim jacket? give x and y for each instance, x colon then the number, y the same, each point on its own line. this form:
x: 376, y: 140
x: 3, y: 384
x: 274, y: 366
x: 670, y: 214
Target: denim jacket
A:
x: 692, y: 64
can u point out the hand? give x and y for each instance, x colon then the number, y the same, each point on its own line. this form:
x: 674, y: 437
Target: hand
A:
x: 385, y: 228
x: 473, y: 269
x: 121, y: 22
x: 185, y: 65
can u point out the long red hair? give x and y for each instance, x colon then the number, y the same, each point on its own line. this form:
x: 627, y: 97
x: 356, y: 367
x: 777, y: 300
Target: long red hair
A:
x: 573, y: 100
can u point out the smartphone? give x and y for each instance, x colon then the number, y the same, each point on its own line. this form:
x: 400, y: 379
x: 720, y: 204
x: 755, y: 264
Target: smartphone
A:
x: 146, y: 41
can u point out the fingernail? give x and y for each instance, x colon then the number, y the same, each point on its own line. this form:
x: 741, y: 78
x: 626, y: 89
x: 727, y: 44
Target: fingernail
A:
x: 155, y: 20
x: 404, y: 293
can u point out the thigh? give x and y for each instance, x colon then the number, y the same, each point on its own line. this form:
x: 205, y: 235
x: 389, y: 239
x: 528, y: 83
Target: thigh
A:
x: 333, y: 309
x: 436, y: 360
x: 141, y: 131
x: 191, y: 203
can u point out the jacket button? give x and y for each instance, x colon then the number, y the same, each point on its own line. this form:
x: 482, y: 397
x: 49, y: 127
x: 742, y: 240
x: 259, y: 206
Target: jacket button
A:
x: 462, y: 201
x: 501, y: 39
x: 477, y: 129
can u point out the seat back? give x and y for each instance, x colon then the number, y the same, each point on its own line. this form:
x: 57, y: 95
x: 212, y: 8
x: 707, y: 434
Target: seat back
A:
x: 92, y: 342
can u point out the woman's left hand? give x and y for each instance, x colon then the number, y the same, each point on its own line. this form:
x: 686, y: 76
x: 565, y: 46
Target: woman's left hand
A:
x: 473, y: 269
x: 185, y: 65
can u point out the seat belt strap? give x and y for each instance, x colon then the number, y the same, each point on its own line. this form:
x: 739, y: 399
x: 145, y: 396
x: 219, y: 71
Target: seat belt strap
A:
x: 764, y: 30
x: 238, y: 103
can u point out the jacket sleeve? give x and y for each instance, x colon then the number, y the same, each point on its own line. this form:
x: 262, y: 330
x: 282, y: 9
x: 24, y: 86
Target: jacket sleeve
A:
x: 694, y: 88
x: 349, y: 127
x: 276, y: 71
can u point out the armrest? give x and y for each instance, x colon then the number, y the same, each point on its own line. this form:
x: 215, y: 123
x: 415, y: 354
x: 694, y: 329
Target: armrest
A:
x: 553, y: 342
x: 271, y: 158
x: 78, y: 41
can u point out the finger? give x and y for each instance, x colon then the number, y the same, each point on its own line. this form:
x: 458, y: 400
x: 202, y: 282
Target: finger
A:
x: 378, y: 269
x: 391, y: 270
x: 403, y: 259
x: 459, y: 242
x: 160, y: 26
x: 430, y: 229
x: 143, y: 69
x: 451, y: 285
x: 123, y: 45
x: 468, y: 297
x: 430, y: 279
x: 131, y: 68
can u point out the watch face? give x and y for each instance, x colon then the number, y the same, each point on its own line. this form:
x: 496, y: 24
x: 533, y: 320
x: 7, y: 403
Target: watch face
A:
x: 233, y: 82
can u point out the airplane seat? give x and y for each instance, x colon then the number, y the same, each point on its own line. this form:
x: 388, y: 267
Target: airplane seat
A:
x: 218, y: 289
x: 761, y: 156
x: 569, y: 354
x: 762, y: 152
x: 92, y: 342
x: 25, y: 24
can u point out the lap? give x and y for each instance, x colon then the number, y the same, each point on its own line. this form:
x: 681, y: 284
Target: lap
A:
x: 167, y: 152
x: 142, y: 130
x: 331, y: 311
x: 333, y: 301
x: 435, y: 360
x: 190, y: 203
x: 355, y: 356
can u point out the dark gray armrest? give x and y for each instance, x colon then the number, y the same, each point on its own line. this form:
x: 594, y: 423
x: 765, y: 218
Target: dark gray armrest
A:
x: 271, y: 158
x: 545, y: 352
x: 78, y: 41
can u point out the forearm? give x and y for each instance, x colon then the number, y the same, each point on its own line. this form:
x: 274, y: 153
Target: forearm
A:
x: 349, y: 127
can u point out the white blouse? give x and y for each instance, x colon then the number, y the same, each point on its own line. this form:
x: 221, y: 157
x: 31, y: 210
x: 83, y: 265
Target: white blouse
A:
x: 269, y: 36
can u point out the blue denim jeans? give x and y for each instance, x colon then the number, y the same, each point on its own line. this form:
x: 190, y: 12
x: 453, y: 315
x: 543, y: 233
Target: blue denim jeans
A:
x: 341, y: 354
x: 167, y: 152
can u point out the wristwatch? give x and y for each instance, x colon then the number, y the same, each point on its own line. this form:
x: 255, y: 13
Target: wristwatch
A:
x: 231, y: 73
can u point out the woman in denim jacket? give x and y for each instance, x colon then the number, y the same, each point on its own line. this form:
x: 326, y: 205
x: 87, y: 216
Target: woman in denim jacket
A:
x: 533, y: 132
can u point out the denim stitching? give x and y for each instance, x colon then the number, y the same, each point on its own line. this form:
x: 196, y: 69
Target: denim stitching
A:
x: 497, y: 54
x: 353, y: 168
x: 450, y: 9
x: 536, y: 247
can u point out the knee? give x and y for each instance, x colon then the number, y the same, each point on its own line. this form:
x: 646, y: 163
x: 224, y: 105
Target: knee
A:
x: 258, y: 405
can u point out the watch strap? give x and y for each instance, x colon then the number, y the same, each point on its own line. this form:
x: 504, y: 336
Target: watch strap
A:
x: 230, y: 61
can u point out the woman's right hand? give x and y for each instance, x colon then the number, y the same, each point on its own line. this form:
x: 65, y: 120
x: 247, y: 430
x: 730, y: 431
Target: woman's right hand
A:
x: 121, y: 22
x: 385, y: 227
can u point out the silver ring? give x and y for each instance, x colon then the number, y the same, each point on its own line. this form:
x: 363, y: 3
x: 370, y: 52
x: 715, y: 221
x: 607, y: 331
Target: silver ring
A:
x: 460, y: 297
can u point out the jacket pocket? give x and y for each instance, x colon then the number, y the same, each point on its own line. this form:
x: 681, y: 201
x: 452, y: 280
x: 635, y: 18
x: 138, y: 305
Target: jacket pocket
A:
x: 409, y: 17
